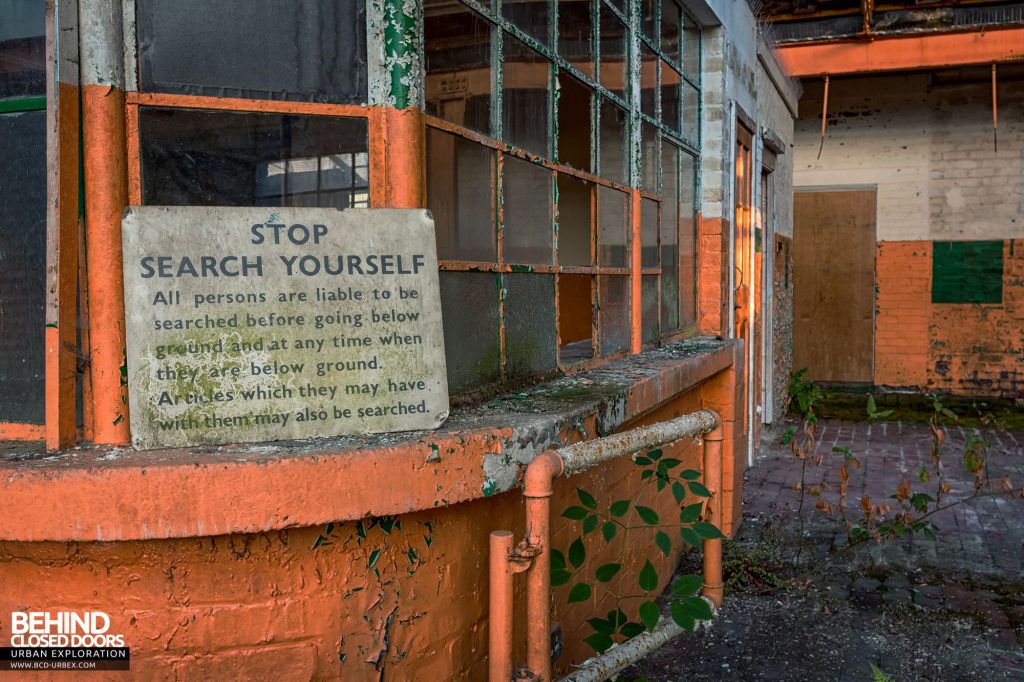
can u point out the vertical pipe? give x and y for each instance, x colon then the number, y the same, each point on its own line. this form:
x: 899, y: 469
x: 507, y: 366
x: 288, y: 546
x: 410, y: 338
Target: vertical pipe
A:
x: 62, y: 215
x: 405, y: 157
x: 537, y: 492
x: 106, y: 195
x: 824, y: 116
x: 499, y: 633
x: 714, y: 588
x: 995, y: 113
x: 636, y: 276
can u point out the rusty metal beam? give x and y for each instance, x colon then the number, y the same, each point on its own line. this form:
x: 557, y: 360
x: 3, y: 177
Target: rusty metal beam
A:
x: 903, y: 53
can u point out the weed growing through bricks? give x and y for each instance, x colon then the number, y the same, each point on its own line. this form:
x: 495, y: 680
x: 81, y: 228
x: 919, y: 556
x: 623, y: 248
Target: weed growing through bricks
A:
x: 635, y: 525
x: 912, y: 504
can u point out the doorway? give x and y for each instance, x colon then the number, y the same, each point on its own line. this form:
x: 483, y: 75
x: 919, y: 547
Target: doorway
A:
x: 834, y: 284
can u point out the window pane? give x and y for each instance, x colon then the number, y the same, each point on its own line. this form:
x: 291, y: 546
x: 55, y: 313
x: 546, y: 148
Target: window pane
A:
x: 613, y: 296
x: 22, y: 266
x: 649, y: 143
x: 212, y: 158
x: 460, y: 195
x: 614, y: 142
x: 649, y: 233
x: 691, y: 112
x: 647, y: 10
x: 574, y: 221
x: 575, y: 34
x: 614, y: 236
x: 22, y: 48
x: 671, y: 19
x: 669, y: 96
x: 648, y: 81
x: 669, y: 236
x: 525, y: 77
x: 649, y: 300
x: 613, y: 52
x: 691, y: 48
x: 469, y: 310
x: 526, y: 207
x: 529, y: 15
x: 574, y: 125
x: 575, y: 318
x: 457, y: 47
x: 687, y: 239
x: 530, y: 328
x: 309, y: 50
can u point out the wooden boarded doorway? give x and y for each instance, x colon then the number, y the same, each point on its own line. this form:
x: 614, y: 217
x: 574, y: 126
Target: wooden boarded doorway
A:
x: 834, y: 284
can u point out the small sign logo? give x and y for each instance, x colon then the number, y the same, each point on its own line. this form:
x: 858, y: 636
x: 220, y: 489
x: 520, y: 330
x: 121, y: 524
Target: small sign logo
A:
x: 63, y: 640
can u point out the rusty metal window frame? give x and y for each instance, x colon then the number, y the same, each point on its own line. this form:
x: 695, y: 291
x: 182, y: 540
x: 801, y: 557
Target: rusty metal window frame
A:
x: 634, y: 38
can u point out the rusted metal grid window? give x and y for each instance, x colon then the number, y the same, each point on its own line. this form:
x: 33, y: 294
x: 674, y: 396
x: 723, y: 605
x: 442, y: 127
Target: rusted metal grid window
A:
x: 213, y: 124
x: 23, y: 244
x: 534, y: 113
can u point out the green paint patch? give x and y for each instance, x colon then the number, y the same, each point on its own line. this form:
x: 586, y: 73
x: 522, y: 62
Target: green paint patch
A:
x: 967, y: 272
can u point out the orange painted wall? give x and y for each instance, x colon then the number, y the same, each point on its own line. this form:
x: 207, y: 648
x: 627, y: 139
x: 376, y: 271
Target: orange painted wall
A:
x: 964, y: 349
x: 290, y: 605
x: 712, y: 274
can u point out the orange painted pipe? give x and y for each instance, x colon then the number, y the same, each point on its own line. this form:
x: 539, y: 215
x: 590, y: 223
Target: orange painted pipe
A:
x: 714, y: 588
x: 537, y: 490
x: 499, y: 633
x: 106, y: 195
x: 405, y: 158
x: 636, y: 342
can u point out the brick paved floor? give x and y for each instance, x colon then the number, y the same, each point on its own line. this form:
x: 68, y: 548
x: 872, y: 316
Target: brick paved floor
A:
x: 951, y: 608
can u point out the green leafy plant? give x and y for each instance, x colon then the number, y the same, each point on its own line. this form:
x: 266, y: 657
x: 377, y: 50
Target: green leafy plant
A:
x: 804, y: 395
x: 879, y: 676
x: 633, y: 525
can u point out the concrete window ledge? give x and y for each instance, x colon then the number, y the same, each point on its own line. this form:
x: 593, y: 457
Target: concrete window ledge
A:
x: 115, y: 494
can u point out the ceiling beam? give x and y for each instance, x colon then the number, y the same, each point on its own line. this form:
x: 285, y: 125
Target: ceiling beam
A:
x: 903, y: 53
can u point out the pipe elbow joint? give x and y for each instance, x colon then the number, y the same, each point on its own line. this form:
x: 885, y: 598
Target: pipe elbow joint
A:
x: 717, y: 433
x: 541, y: 473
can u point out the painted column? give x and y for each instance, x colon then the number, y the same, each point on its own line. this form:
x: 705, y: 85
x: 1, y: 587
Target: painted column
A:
x: 396, y: 78
x: 106, y: 195
x: 61, y: 223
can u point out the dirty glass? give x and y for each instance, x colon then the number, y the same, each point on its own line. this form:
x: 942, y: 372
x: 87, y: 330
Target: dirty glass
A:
x: 575, y: 34
x: 614, y: 142
x: 460, y: 196
x: 670, y: 80
x: 648, y: 8
x: 691, y: 112
x: 575, y: 318
x: 649, y: 311
x: 691, y: 48
x: 531, y: 16
x: 613, y: 303
x: 574, y: 124
x: 469, y: 311
x: 22, y: 48
x: 525, y: 79
x: 687, y: 238
x: 614, y: 235
x: 613, y: 52
x: 670, y: 236
x: 574, y: 221
x: 214, y: 158
x: 648, y: 81
x: 648, y: 233
x: 527, y: 232
x: 671, y: 20
x: 649, y: 148
x: 305, y: 50
x: 22, y: 266
x: 530, y: 328
x: 457, y: 59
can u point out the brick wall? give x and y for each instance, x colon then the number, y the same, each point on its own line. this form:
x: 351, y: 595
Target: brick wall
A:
x: 961, y: 348
x: 925, y: 142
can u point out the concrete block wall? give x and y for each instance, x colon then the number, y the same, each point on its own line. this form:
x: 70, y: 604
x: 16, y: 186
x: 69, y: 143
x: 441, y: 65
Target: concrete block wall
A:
x: 925, y: 142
